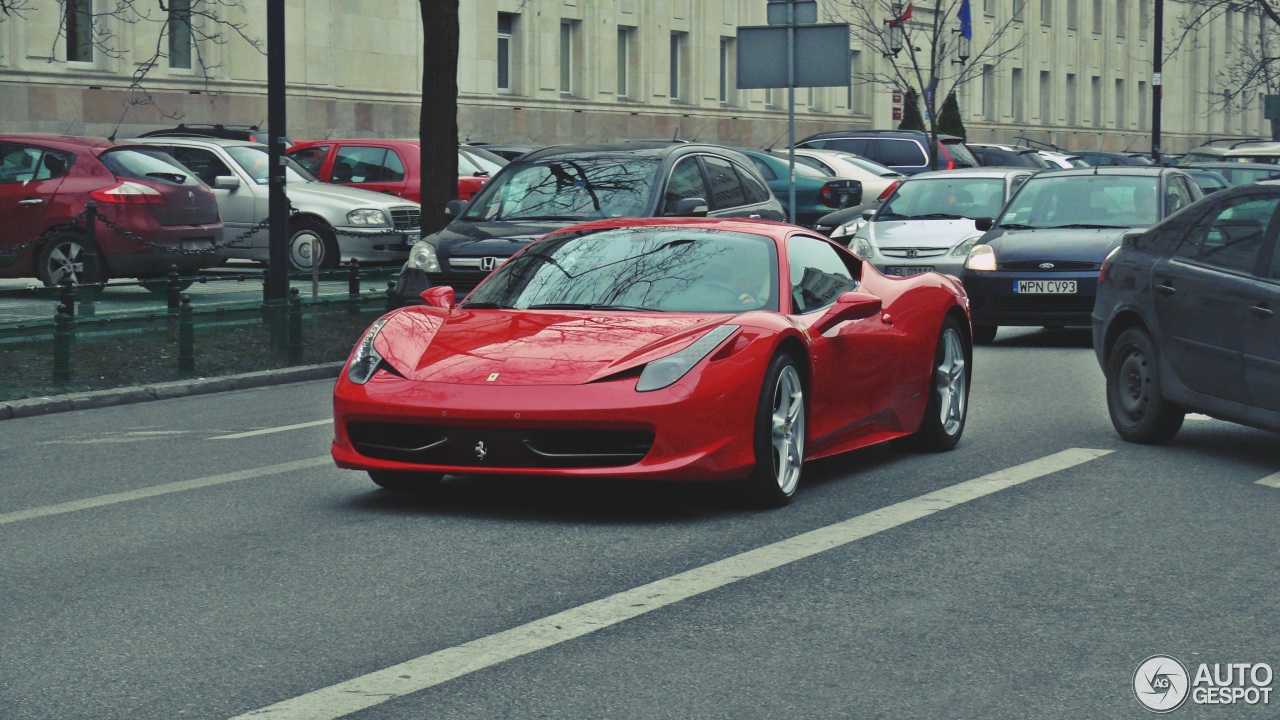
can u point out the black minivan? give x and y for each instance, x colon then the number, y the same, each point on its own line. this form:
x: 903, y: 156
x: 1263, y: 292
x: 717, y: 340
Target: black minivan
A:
x: 555, y: 187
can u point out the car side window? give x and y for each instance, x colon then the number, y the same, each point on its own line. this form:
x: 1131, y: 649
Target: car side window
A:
x: 755, y: 191
x: 358, y: 164
x: 857, y: 146
x: 1176, y: 196
x: 392, y: 168
x: 818, y: 274
x: 903, y: 153
x: 686, y: 182
x: 763, y: 168
x: 204, y: 163
x: 1231, y: 236
x: 726, y: 190
x: 311, y: 158
x: 19, y: 163
x: 1016, y: 183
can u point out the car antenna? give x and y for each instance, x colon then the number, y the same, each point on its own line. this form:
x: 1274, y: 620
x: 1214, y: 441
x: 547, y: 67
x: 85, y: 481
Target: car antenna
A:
x: 675, y: 135
x: 773, y: 141
x: 115, y: 130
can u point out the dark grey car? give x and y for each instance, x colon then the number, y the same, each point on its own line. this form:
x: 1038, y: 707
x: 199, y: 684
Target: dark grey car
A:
x: 1185, y: 319
x: 560, y: 186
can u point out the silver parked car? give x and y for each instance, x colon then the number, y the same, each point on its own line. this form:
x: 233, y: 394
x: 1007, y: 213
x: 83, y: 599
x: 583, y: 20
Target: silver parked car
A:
x: 928, y: 223
x: 341, y: 223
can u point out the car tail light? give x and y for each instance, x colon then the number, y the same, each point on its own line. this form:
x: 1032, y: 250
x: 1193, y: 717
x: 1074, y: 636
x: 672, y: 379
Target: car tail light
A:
x: 827, y: 196
x: 1102, y: 274
x: 951, y: 163
x: 128, y: 193
x: 889, y: 190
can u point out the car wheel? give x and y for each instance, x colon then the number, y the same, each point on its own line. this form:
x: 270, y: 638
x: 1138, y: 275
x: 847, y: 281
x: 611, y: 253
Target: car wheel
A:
x: 405, y: 482
x: 779, y: 435
x: 1138, y: 409
x: 307, y: 238
x: 948, y: 406
x: 984, y: 334
x: 68, y: 254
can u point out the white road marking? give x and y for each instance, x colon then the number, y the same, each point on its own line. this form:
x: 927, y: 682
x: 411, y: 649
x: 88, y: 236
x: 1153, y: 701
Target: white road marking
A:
x: 268, y: 431
x: 116, y: 498
x: 114, y: 437
x: 1198, y: 416
x: 1271, y: 481
x: 420, y: 673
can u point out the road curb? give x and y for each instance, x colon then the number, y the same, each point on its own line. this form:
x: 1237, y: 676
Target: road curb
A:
x: 48, y: 405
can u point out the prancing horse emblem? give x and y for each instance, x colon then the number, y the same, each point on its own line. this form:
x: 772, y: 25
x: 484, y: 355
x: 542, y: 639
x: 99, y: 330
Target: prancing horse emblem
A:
x: 480, y: 450
x: 492, y: 377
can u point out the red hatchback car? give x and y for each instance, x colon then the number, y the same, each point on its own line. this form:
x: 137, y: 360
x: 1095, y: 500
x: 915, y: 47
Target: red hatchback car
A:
x: 390, y: 166
x: 47, y: 180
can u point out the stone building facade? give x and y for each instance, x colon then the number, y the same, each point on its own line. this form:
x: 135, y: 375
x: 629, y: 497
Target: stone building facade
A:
x: 548, y: 71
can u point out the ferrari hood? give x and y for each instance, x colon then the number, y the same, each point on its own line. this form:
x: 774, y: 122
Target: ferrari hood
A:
x: 500, y: 347
x: 919, y: 233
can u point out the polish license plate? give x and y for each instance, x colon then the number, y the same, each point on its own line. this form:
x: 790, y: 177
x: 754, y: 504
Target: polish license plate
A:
x: 197, y: 243
x: 907, y: 270
x: 1044, y: 287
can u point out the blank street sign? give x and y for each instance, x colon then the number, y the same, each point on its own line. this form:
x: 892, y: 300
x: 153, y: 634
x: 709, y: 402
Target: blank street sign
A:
x: 822, y: 56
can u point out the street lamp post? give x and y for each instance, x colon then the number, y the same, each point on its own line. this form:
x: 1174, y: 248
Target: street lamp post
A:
x: 1157, y: 66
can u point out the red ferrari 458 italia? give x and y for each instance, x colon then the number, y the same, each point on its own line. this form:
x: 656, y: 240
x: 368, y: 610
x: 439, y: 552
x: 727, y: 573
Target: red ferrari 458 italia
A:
x: 672, y: 349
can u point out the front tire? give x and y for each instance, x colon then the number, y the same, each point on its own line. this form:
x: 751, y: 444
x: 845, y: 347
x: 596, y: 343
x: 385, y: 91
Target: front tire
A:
x: 779, y: 435
x: 406, y: 483
x: 68, y: 254
x: 307, y: 238
x: 1135, y: 400
x: 948, y: 406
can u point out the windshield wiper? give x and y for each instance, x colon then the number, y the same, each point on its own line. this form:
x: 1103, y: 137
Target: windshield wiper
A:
x: 1018, y: 226
x: 935, y: 216
x: 892, y: 216
x: 588, y: 306
x: 1087, y: 226
x: 176, y: 178
x: 544, y: 217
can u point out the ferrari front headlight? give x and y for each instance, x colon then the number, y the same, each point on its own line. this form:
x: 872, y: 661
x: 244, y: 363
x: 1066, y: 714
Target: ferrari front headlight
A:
x: 666, y: 371
x: 981, y: 257
x: 423, y: 257
x: 367, y: 217
x: 365, y: 359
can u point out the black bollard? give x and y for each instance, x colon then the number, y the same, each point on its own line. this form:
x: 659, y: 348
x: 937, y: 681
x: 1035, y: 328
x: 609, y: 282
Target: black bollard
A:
x: 391, y: 296
x: 186, y: 339
x: 64, y: 332
x: 295, y: 326
x: 175, y: 289
x: 67, y: 297
x: 353, y: 287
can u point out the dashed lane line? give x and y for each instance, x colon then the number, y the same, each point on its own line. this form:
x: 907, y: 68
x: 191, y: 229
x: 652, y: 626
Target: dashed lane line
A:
x: 429, y: 670
x: 268, y: 431
x: 1271, y: 481
x: 156, y: 490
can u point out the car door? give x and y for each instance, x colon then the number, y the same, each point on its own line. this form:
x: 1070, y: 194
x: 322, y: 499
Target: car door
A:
x: 1262, y: 330
x: 685, y: 181
x: 29, y: 180
x: 1202, y: 295
x: 758, y: 196
x: 371, y: 167
x: 853, y: 362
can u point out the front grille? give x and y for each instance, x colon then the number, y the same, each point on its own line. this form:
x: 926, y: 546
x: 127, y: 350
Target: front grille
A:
x: 1043, y: 303
x: 406, y: 218
x: 919, y: 252
x: 499, y: 447
x: 1058, y: 265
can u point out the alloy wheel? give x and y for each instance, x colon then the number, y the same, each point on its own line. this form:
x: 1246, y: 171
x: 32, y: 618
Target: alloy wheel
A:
x: 952, y: 380
x: 788, y: 430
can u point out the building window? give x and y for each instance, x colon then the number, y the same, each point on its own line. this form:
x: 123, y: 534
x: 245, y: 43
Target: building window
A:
x: 1046, y: 98
x: 857, y: 99
x: 506, y: 31
x: 79, y: 21
x: 1073, y: 14
x: 1046, y: 12
x: 1144, y: 105
x: 677, y: 69
x: 180, y: 34
x: 568, y: 68
x: 1095, y: 87
x: 1072, y: 100
x: 1144, y: 18
x: 989, y: 93
x: 1018, y: 91
x: 1121, y: 120
x: 1122, y: 18
x: 1018, y: 5
x: 626, y: 37
x: 728, y: 71
x: 1097, y: 16
x: 988, y: 7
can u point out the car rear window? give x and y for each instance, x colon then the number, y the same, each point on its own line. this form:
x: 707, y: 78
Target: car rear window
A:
x: 960, y: 153
x: 147, y: 164
x: 902, y: 153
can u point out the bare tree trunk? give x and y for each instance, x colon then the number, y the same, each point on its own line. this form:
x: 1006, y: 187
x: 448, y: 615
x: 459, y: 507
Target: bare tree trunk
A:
x: 438, y: 121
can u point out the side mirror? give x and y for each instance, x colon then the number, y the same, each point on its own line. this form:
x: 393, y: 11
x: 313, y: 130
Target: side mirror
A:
x: 868, y: 214
x: 226, y: 182
x: 441, y: 297
x: 984, y: 224
x: 688, y: 207
x: 852, y: 305
x: 454, y: 208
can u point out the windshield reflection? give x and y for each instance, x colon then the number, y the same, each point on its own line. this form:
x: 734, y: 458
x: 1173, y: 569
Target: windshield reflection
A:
x: 1084, y: 201
x: 945, y: 199
x: 587, y: 188
x: 650, y: 269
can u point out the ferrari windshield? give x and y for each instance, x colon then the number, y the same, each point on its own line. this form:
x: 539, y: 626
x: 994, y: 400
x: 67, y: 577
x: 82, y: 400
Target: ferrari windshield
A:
x: 1084, y: 201
x: 650, y: 269
x: 945, y: 199
x: 585, y: 188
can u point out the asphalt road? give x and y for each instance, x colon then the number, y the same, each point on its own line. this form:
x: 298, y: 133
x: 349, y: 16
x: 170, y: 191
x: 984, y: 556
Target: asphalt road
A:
x: 128, y: 591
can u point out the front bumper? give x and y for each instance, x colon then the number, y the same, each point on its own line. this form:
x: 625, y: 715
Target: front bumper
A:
x: 905, y: 267
x: 993, y: 300
x: 375, y: 245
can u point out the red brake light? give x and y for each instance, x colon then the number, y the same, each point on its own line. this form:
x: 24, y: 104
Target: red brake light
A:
x: 889, y: 190
x: 827, y: 196
x: 128, y: 193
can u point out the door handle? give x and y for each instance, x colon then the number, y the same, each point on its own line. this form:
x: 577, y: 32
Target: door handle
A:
x: 754, y: 216
x: 1262, y: 311
x: 1166, y: 289
x: 30, y: 201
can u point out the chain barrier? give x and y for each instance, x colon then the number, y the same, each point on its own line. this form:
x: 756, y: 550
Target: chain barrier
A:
x: 75, y: 221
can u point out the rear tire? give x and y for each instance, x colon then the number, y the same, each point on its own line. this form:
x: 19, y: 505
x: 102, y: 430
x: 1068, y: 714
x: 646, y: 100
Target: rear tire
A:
x: 70, y: 253
x: 984, y: 334
x: 779, y: 435
x: 406, y: 483
x: 948, y: 406
x: 1138, y: 409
